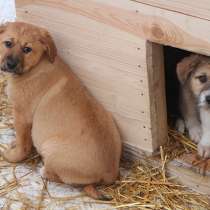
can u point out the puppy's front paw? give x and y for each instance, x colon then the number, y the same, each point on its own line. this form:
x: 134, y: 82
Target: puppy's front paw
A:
x: 180, y: 125
x: 43, y: 172
x: 13, y: 154
x: 204, y: 149
x: 195, y: 134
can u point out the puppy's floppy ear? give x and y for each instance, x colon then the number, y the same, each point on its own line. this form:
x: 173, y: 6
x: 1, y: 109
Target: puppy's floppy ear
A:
x: 49, y: 44
x: 186, y: 66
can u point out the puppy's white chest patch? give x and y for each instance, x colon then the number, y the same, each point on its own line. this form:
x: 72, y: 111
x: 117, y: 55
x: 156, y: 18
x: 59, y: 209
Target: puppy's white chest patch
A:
x: 205, y: 119
x: 204, y: 145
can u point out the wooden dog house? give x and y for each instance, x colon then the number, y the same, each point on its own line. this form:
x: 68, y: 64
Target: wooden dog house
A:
x: 115, y: 47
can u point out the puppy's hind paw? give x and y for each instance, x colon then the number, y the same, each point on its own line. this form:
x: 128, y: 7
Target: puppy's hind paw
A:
x: 14, y: 154
x: 92, y: 192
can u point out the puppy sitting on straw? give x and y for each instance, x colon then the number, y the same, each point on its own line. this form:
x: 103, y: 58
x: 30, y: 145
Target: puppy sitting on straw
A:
x: 194, y: 76
x: 77, y: 139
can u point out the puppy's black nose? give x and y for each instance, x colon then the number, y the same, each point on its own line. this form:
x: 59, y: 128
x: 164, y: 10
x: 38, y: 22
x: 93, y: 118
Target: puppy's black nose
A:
x: 11, y: 62
x: 208, y: 99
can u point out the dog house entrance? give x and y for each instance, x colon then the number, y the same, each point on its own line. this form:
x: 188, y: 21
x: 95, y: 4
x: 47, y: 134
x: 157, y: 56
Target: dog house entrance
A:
x: 172, y: 56
x: 188, y: 160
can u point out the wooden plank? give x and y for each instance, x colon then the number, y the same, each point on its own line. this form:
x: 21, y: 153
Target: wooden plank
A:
x: 188, y: 177
x: 194, y: 8
x: 180, y: 169
x: 111, y: 62
x: 156, y: 81
x: 195, y: 163
x: 151, y: 23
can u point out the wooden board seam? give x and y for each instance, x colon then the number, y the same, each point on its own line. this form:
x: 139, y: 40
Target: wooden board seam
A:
x: 171, y: 10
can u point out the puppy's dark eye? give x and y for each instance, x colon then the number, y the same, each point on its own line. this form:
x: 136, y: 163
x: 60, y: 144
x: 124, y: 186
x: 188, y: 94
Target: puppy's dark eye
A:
x: 27, y: 50
x: 8, y: 44
x: 202, y: 78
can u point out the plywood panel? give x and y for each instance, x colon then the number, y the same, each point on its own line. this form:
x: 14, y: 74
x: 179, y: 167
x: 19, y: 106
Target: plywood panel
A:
x: 152, y: 23
x: 156, y: 81
x: 106, y: 41
x: 111, y: 62
x: 157, y: 25
x: 194, y: 8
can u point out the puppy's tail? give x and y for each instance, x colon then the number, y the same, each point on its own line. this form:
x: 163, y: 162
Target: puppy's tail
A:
x: 92, y: 192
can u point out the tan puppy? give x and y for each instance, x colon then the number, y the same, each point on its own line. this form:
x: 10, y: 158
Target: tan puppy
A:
x: 77, y: 139
x: 194, y: 75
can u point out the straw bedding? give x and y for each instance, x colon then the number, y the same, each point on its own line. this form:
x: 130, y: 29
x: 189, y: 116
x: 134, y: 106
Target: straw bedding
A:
x: 141, y: 186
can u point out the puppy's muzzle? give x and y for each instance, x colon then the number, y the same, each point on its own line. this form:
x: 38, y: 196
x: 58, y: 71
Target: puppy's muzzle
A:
x: 204, y: 98
x: 11, y: 64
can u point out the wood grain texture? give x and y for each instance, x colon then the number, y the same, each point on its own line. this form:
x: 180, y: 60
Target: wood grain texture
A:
x: 194, y: 8
x: 105, y: 43
x: 181, y: 169
x: 188, y: 177
x: 150, y: 23
x: 156, y: 81
x: 196, y: 164
x: 111, y: 62
x: 161, y: 26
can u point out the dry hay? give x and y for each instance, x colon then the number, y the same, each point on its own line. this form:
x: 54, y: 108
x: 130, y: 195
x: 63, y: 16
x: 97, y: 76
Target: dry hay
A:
x: 143, y: 186
x: 149, y: 187
x: 5, y: 108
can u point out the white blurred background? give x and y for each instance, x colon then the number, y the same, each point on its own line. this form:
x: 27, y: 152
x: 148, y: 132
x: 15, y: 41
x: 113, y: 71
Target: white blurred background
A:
x: 7, y: 11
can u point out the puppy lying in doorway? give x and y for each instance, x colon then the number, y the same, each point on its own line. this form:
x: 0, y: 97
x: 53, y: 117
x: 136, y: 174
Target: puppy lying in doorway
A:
x: 76, y: 138
x: 194, y: 75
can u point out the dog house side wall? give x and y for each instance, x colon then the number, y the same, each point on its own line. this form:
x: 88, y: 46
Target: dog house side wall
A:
x: 159, y: 25
x: 116, y: 66
x: 107, y: 39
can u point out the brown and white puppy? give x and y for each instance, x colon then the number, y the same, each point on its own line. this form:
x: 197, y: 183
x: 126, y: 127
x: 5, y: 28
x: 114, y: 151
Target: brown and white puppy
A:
x: 77, y: 139
x: 194, y: 75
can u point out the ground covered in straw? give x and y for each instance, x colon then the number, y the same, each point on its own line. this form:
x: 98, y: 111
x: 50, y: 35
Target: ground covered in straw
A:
x: 141, y: 186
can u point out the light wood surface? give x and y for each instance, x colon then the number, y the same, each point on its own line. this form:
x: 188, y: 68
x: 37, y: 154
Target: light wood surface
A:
x: 156, y: 82
x: 194, y: 8
x: 105, y: 42
x: 151, y: 23
x: 180, y: 169
x: 189, y: 175
x: 158, y: 25
x: 111, y: 62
